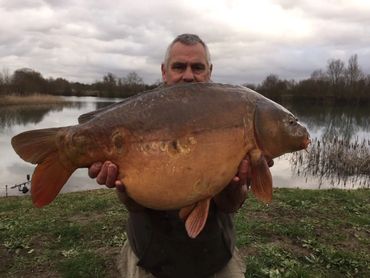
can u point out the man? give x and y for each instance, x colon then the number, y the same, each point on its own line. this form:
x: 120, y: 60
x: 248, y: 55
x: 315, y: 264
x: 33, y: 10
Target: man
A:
x: 157, y: 240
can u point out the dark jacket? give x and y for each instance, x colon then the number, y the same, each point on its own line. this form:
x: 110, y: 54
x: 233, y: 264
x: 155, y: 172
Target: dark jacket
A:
x: 160, y: 241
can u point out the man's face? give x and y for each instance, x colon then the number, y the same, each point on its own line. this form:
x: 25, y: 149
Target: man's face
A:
x: 187, y: 63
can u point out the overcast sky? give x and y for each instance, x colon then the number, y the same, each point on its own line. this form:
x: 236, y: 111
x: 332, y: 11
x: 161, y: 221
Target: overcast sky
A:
x: 248, y: 40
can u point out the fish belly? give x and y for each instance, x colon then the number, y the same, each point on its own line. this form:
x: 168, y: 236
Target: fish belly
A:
x: 170, y: 174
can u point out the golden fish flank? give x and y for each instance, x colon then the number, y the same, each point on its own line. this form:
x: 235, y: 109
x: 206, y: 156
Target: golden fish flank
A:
x: 172, y: 148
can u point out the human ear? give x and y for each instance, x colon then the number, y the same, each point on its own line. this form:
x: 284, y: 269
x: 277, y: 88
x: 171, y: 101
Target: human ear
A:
x: 163, y: 70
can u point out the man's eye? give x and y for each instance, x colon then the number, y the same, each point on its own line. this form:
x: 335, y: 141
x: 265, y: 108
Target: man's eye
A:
x: 198, y: 67
x: 178, y: 66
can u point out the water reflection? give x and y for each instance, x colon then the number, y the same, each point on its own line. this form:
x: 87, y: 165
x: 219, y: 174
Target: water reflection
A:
x: 348, y: 119
x: 24, y: 114
x: 339, y: 155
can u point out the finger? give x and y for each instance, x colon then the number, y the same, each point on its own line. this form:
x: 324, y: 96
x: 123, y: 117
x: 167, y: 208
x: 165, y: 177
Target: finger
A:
x: 94, y: 169
x: 112, y: 173
x: 118, y: 183
x: 243, y: 171
x: 244, y: 190
x: 102, y: 176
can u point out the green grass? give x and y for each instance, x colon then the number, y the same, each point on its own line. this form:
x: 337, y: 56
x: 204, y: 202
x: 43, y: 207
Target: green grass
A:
x: 302, y: 233
x: 307, y: 233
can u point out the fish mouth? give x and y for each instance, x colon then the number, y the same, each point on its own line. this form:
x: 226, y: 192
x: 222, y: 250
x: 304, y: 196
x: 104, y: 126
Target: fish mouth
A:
x: 306, y: 142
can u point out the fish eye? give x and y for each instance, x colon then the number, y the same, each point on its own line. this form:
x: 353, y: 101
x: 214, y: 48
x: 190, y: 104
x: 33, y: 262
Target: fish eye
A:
x: 293, y: 121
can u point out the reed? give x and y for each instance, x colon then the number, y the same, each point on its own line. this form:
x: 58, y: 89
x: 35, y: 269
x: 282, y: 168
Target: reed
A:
x: 30, y: 99
x: 341, y: 160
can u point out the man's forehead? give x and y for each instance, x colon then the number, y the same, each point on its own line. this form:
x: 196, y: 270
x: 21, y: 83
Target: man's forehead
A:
x: 188, y: 53
x: 187, y: 61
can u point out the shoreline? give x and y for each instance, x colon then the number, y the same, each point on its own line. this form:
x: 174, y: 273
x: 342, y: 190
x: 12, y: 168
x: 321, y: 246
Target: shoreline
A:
x: 33, y: 99
x: 15, y: 193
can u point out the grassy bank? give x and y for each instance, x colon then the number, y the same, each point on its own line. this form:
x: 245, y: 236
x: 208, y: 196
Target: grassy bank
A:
x: 30, y: 99
x: 303, y: 233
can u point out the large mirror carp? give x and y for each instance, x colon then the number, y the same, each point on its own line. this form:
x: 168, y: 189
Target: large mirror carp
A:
x: 175, y: 147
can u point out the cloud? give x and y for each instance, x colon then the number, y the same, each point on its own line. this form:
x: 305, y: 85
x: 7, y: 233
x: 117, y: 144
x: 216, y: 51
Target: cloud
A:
x: 83, y: 40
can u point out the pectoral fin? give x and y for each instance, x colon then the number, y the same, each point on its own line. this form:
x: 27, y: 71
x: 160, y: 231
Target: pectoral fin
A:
x: 185, y: 212
x: 196, y: 218
x: 261, y: 178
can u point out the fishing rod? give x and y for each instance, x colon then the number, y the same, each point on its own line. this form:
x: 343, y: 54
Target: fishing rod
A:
x: 22, y: 187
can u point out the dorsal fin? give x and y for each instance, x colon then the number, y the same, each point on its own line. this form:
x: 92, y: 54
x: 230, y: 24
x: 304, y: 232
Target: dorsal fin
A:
x: 90, y: 115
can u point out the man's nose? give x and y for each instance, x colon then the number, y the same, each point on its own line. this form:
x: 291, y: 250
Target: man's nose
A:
x: 188, y: 75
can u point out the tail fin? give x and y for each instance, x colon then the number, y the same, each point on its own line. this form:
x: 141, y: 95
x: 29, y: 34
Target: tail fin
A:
x: 34, y: 146
x: 39, y: 147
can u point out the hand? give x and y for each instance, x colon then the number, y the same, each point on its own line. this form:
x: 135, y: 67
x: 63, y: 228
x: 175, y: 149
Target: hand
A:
x: 243, y: 176
x: 106, y: 174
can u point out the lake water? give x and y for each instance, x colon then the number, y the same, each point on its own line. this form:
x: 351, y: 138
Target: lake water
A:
x: 339, y: 156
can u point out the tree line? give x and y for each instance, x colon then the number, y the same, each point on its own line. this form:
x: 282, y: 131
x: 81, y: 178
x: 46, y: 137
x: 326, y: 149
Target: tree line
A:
x: 27, y: 81
x: 337, y: 82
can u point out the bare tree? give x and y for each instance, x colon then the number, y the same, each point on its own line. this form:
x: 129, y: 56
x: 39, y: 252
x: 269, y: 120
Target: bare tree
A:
x: 110, y: 79
x: 319, y: 75
x: 109, y: 84
x: 6, y: 76
x: 5, y: 81
x: 271, y: 82
x: 132, y: 79
x: 353, y: 71
x: 131, y: 84
x: 335, y: 71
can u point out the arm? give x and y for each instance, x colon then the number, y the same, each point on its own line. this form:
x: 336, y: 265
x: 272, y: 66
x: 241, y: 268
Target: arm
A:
x: 106, y: 174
